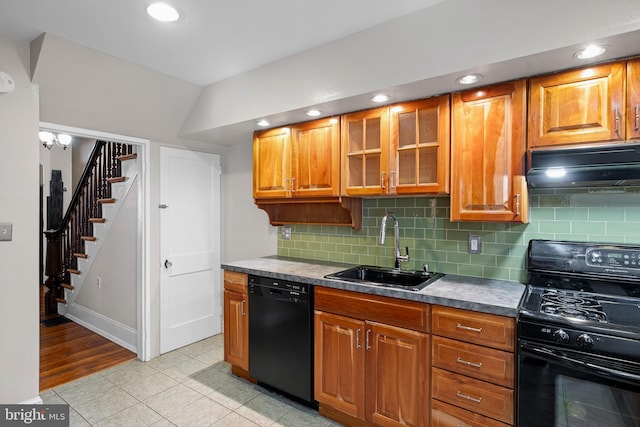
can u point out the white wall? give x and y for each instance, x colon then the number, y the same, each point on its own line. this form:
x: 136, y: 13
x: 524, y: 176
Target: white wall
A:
x: 116, y: 297
x: 101, y: 93
x: 19, y: 193
x: 246, y: 232
x: 447, y: 38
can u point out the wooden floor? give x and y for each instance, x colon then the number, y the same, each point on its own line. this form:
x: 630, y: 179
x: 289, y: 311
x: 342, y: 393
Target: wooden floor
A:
x: 69, y: 351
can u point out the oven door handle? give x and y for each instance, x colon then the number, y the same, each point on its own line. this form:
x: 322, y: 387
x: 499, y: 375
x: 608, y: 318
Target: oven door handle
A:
x: 552, y: 356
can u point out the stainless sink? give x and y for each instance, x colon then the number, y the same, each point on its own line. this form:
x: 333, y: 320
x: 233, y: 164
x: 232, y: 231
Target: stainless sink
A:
x: 380, y: 276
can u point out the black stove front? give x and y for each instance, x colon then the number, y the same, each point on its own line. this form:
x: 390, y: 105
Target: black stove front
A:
x: 579, y: 336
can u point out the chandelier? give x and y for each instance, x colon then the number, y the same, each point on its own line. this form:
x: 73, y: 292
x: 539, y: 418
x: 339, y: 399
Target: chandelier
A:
x: 48, y: 139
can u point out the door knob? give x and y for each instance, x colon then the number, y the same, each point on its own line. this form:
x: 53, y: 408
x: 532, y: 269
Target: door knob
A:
x: 167, y: 263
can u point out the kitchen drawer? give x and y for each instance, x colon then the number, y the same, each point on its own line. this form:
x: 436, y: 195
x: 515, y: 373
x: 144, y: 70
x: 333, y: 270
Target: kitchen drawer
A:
x: 234, y: 281
x: 390, y: 311
x: 445, y: 415
x: 474, y: 395
x: 494, y: 366
x: 479, y: 328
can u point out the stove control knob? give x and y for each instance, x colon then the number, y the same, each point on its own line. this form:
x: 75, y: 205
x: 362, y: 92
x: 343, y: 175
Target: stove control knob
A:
x: 561, y: 336
x: 584, y: 341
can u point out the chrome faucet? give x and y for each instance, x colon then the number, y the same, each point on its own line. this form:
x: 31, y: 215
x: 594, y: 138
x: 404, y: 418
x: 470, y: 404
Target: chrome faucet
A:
x: 396, y: 234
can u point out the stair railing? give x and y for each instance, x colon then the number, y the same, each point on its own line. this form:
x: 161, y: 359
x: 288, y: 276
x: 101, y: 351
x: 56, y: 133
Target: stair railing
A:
x: 84, y: 208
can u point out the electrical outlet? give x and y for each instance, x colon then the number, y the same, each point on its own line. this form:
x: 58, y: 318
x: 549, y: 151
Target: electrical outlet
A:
x: 5, y: 231
x: 99, y: 281
x: 286, y: 233
x: 474, y: 244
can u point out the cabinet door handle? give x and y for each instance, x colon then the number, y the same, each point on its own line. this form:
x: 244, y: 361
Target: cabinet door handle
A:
x: 468, y: 328
x: 518, y: 204
x: 366, y: 341
x: 358, y: 338
x: 466, y: 362
x: 293, y: 185
x: 392, y: 180
x: 637, y: 117
x: 471, y: 398
x: 242, y: 308
x: 617, y: 119
x: 382, y: 180
x: 286, y: 184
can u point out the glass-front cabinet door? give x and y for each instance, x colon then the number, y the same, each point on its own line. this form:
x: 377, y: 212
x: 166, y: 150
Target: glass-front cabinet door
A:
x: 420, y: 139
x: 365, y: 152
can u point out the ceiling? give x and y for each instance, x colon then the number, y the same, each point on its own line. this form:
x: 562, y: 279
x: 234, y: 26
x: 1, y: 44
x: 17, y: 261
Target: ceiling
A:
x: 216, y: 40
x: 211, y: 41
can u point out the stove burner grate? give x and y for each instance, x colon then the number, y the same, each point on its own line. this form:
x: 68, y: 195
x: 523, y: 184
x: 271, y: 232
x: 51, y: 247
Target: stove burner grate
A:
x: 573, y: 306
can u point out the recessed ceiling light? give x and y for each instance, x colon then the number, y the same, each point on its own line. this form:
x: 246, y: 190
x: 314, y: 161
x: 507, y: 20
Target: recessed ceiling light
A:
x: 313, y: 113
x: 163, y: 12
x: 263, y: 123
x: 469, y: 79
x: 590, y: 51
x: 381, y: 97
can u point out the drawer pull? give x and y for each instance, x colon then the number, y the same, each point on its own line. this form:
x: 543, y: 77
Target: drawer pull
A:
x: 468, y: 328
x: 466, y: 362
x: 471, y: 398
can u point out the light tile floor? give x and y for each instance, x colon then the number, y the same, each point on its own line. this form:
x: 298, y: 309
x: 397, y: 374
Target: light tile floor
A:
x: 191, y: 387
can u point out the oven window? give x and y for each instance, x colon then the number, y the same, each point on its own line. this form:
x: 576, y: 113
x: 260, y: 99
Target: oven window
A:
x: 581, y: 403
x: 551, y: 393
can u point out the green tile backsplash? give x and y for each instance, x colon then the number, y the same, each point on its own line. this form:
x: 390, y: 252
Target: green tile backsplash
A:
x: 593, y: 214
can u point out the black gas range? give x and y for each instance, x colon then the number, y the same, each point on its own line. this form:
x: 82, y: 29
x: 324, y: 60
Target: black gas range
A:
x: 579, y: 335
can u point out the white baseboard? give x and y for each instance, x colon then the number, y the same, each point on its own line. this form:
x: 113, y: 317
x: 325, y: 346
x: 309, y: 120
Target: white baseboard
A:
x: 115, y: 331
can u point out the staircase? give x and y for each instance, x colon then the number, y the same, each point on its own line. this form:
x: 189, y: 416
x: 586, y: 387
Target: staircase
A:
x: 72, y: 248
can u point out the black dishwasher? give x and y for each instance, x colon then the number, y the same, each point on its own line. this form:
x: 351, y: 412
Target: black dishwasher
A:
x: 281, y: 336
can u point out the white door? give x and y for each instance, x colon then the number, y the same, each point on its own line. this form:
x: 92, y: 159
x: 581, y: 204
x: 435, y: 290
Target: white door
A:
x: 190, y: 307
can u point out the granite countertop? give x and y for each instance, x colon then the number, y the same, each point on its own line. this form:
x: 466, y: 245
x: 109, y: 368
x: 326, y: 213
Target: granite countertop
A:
x: 499, y: 297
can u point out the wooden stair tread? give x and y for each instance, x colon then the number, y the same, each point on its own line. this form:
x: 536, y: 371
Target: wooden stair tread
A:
x: 80, y: 255
x: 67, y: 286
x: 88, y: 238
x: 125, y: 157
x: 97, y: 220
x: 116, y: 179
x: 105, y: 201
x: 73, y: 271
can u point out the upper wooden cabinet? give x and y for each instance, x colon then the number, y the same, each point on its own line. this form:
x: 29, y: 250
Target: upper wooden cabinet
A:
x: 633, y: 99
x: 577, y: 107
x: 420, y: 140
x: 488, y: 146
x: 400, y: 149
x: 298, y: 161
x: 365, y: 152
x: 272, y: 163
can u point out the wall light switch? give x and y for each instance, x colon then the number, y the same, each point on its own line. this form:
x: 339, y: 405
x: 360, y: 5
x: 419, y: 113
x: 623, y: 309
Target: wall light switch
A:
x: 6, y: 231
x: 474, y: 244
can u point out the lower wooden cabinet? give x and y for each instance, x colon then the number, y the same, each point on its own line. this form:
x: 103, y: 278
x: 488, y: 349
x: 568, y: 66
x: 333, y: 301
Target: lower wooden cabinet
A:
x: 373, y: 372
x: 477, y: 396
x: 473, y: 368
x: 339, y: 363
x: 445, y: 415
x: 236, y: 320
